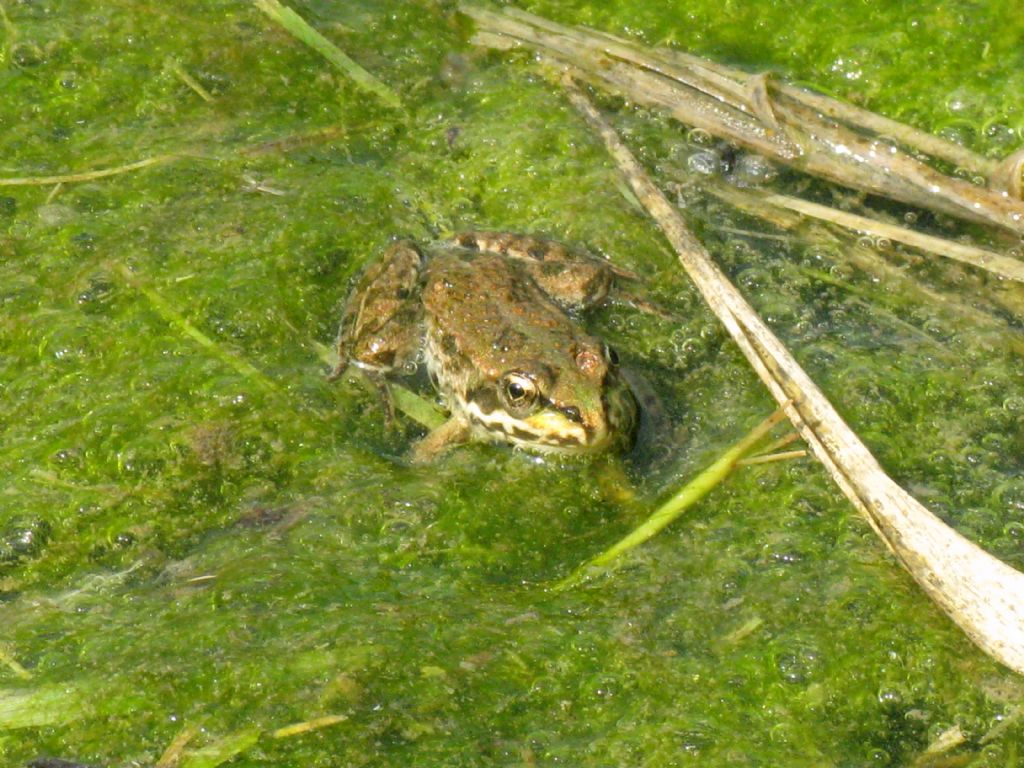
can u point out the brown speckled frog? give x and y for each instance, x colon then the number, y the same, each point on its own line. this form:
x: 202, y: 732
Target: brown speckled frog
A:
x: 489, y: 314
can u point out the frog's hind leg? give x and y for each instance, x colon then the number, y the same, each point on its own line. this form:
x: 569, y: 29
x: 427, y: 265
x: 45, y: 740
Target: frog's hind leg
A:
x: 574, y: 279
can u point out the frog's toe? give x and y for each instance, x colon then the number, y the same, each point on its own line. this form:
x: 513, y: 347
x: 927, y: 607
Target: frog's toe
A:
x: 387, y: 401
x: 339, y: 368
x: 453, y: 432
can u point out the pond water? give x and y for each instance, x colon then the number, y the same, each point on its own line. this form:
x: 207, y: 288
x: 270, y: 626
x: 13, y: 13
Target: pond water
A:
x: 203, y: 540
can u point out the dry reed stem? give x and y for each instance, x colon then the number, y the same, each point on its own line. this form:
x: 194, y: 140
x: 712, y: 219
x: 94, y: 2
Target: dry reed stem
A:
x: 810, y: 132
x: 980, y: 593
x: 884, y: 126
x: 990, y: 261
x: 868, y: 259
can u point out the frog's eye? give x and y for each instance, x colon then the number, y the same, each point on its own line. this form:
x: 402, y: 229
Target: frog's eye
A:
x: 520, y: 391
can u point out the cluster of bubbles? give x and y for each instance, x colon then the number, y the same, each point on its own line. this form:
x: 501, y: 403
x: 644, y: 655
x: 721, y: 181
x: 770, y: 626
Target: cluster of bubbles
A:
x: 702, y: 155
x: 743, y: 169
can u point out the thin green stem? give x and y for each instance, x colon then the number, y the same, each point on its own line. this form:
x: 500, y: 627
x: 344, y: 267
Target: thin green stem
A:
x: 302, y: 31
x: 10, y: 34
x: 12, y: 664
x: 768, y: 458
x: 680, y: 501
x: 220, y: 751
x: 178, y: 71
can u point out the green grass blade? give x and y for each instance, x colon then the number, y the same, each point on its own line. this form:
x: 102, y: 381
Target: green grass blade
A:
x: 680, y: 501
x: 300, y: 29
x: 179, y: 321
x: 220, y: 751
x: 67, y: 178
x: 417, y: 408
x: 39, y: 706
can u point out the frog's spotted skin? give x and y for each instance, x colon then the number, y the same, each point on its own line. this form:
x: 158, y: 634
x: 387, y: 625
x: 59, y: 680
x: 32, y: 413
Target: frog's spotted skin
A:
x: 488, y: 312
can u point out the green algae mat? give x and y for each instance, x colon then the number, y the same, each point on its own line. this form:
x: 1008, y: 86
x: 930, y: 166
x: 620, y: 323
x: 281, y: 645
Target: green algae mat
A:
x: 211, y: 555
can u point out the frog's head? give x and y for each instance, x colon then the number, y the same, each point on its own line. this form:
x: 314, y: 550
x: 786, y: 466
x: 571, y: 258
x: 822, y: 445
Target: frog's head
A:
x: 580, y: 406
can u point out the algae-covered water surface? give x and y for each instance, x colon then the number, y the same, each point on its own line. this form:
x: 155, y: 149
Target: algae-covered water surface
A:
x: 211, y: 555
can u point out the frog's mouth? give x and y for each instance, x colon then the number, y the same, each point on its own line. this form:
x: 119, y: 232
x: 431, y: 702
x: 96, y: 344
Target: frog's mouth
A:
x: 560, y: 430
x: 547, y: 428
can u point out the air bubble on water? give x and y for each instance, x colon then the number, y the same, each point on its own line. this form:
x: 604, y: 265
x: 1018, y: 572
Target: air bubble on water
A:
x: 699, y: 136
x: 753, y: 170
x: 890, y: 698
x: 963, y: 100
x: 705, y: 162
x: 1000, y: 134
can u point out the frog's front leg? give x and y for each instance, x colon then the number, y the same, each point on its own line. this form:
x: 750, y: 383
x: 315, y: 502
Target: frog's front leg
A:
x: 453, y: 432
x: 382, y: 322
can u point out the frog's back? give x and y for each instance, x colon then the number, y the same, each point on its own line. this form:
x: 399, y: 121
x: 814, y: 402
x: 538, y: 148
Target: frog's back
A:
x: 487, y: 308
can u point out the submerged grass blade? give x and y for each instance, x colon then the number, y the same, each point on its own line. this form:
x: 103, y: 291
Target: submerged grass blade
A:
x: 220, y: 751
x: 300, y: 29
x: 8, y: 660
x: 9, y: 36
x: 172, y: 755
x: 683, y: 499
x: 419, y: 409
x: 179, y: 72
x: 176, y: 319
x: 415, y: 407
x: 41, y: 705
x: 768, y: 458
x: 229, y: 747
x: 297, y: 729
x: 42, y: 181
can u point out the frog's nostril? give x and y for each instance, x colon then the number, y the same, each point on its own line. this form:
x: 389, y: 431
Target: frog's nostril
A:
x: 572, y: 413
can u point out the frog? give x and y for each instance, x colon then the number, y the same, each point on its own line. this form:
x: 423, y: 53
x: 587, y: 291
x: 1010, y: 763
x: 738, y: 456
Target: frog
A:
x: 495, y: 318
